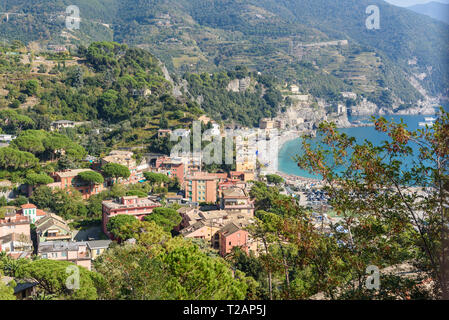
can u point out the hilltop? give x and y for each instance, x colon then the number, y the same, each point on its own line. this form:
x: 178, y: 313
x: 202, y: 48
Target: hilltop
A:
x: 436, y: 10
x: 275, y: 37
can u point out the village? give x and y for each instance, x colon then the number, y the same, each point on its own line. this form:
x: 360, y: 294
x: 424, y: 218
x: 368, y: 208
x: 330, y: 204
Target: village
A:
x: 215, y: 208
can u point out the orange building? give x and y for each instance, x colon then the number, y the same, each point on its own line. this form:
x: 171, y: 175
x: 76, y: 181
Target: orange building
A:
x: 201, y: 187
x: 69, y: 178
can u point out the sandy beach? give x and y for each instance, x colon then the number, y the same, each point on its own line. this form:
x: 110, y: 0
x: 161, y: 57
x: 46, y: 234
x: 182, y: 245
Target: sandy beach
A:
x: 285, y: 137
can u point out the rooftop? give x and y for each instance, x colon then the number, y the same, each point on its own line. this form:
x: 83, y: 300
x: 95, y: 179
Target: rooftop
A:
x: 234, y: 193
x: 229, y: 229
x: 70, y: 173
x: 97, y: 244
x: 51, y: 220
x: 198, y: 225
x: 28, y: 206
x: 52, y: 246
x: 141, y: 203
x: 202, y: 176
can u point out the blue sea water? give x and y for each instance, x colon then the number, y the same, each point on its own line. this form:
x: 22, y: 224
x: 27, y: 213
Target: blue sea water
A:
x: 294, y: 147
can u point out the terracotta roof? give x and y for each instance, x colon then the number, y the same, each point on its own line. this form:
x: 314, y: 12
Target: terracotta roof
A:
x: 202, y: 176
x: 40, y: 213
x: 28, y: 206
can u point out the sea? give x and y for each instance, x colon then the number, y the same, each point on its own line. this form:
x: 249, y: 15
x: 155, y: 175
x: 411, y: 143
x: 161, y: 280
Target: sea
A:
x: 287, y: 164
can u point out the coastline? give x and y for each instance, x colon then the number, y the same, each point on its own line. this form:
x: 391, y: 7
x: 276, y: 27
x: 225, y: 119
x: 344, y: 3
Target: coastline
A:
x: 291, y: 178
x: 287, y: 136
x: 290, y: 135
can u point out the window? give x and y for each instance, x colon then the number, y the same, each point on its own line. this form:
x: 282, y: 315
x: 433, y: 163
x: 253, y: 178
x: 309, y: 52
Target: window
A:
x: 64, y: 254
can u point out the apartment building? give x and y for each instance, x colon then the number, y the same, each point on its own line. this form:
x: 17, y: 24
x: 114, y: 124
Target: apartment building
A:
x: 201, y: 187
x: 52, y: 228
x: 130, y: 205
x: 236, y: 201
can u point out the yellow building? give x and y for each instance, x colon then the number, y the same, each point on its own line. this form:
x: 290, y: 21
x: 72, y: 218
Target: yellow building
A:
x: 245, y: 166
x: 97, y: 247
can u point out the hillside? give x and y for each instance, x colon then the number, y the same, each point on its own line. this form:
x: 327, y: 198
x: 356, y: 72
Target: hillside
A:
x: 435, y: 10
x: 276, y: 37
x: 118, y: 96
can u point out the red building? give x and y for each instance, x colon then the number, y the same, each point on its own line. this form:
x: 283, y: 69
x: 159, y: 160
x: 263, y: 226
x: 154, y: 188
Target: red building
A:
x: 174, y: 169
x: 131, y: 205
x: 231, y: 236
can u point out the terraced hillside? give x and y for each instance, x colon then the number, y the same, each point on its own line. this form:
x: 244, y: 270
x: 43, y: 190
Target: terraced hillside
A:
x: 276, y: 37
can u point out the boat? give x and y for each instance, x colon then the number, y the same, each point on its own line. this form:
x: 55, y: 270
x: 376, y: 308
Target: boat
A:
x: 423, y: 124
x: 430, y: 119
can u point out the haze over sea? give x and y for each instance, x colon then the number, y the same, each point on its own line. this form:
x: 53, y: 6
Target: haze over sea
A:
x: 293, y: 147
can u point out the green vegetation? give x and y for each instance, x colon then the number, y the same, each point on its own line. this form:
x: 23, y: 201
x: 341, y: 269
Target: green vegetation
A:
x: 52, y: 277
x: 6, y: 292
x: 267, y: 36
x: 167, y: 218
x: 379, y: 207
x: 38, y: 178
x: 262, y: 98
x: 66, y: 205
x: 91, y: 177
x: 157, y: 181
x: 273, y: 178
x: 115, y: 225
x: 162, y: 267
x: 116, y: 171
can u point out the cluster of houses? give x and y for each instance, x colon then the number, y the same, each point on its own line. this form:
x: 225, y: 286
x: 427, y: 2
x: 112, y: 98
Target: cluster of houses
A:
x: 53, y: 238
x: 223, y: 227
x: 215, y: 207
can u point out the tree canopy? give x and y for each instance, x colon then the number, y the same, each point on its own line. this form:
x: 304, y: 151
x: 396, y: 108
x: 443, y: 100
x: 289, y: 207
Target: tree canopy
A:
x: 117, y: 223
x: 167, y: 218
x: 116, y: 170
x: 52, y: 275
x: 91, y: 177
